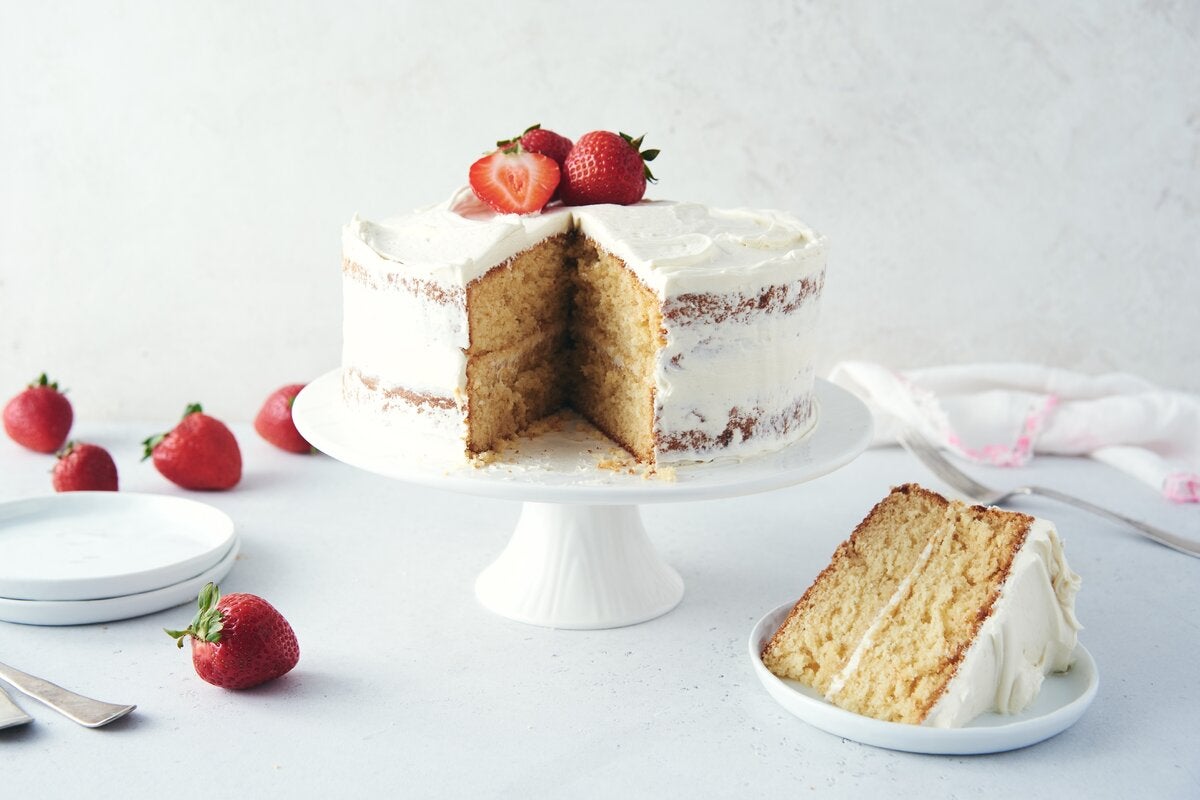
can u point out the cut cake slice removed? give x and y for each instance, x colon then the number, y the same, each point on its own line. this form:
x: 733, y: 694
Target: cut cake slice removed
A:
x: 932, y: 612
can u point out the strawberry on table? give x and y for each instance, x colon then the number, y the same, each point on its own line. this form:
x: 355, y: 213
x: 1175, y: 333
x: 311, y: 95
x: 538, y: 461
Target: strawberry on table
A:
x: 238, y: 640
x: 274, y: 421
x: 514, y: 181
x: 199, y: 453
x: 606, y: 167
x: 39, y: 417
x: 84, y: 468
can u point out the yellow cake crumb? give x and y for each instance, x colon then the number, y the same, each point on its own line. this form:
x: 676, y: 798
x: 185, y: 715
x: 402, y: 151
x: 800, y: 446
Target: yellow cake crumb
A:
x: 562, y: 325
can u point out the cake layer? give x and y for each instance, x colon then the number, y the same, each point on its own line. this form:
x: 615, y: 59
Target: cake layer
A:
x: 615, y: 312
x: 617, y: 399
x: 511, y: 388
x: 520, y: 298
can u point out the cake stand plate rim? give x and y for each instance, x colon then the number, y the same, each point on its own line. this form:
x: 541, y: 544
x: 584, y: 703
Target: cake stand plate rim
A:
x: 843, y: 430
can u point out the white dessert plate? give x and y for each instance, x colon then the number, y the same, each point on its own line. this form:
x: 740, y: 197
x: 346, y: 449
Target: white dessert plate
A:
x: 1063, y: 699
x: 567, y: 465
x: 85, y: 612
x: 94, y: 545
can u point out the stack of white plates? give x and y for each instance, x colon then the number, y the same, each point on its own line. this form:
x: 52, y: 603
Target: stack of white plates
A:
x: 83, y: 557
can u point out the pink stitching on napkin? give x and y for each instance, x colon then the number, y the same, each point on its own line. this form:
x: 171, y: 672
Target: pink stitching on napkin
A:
x: 1019, y: 453
x: 1182, y: 487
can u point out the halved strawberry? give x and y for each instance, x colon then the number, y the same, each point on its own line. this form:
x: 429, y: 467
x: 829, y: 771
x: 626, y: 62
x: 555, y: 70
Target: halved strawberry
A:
x: 536, y: 139
x: 513, y: 181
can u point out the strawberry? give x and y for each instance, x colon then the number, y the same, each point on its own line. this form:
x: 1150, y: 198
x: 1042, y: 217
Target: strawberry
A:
x: 274, y: 421
x: 199, y: 453
x: 513, y: 181
x: 40, y: 417
x: 238, y: 640
x: 605, y: 167
x: 537, y: 139
x: 84, y: 468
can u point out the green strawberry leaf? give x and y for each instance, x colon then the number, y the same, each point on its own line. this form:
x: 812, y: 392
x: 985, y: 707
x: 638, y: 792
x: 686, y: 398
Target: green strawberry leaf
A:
x: 43, y: 381
x: 208, y: 622
x: 149, y: 444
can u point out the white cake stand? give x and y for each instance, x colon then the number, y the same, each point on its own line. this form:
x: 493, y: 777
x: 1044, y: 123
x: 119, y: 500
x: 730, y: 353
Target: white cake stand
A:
x: 579, y: 556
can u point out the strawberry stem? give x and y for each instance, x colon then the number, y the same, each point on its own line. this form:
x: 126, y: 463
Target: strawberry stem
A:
x: 646, y: 155
x: 42, y: 380
x: 513, y: 144
x: 148, y: 445
x: 206, y: 625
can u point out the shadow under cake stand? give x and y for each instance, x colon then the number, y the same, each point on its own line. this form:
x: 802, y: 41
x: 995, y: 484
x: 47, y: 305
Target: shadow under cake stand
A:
x: 579, y: 556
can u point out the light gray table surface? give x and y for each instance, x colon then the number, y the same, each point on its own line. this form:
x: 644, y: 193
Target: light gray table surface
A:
x: 407, y: 687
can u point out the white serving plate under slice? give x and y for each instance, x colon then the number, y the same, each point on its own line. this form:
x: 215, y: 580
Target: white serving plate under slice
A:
x: 1063, y: 699
x: 94, y: 545
x: 85, y: 612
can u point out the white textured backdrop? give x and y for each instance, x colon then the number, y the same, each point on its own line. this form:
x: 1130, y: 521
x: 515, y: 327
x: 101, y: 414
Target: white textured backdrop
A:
x: 999, y: 182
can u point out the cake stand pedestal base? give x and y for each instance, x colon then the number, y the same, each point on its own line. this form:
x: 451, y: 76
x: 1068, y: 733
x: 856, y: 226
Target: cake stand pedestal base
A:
x: 579, y: 556
x: 580, y: 567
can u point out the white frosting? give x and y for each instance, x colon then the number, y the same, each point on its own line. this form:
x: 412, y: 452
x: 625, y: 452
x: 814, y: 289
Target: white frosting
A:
x: 1031, y: 632
x: 758, y: 365
x: 677, y: 248
x: 673, y: 247
x: 393, y: 333
x: 450, y: 244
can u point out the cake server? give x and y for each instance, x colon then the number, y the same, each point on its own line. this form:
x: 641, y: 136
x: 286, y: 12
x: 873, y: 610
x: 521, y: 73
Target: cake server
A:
x: 84, y: 710
x: 11, y: 714
x: 928, y: 455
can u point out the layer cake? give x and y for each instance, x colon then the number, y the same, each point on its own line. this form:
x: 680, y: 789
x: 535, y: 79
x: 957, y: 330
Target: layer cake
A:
x: 682, y: 332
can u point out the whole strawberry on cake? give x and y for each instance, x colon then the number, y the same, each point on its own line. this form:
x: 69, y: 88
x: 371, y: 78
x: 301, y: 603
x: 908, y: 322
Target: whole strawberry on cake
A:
x: 682, y: 332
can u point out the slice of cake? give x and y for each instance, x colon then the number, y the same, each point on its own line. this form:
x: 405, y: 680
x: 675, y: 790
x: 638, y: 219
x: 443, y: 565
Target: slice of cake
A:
x: 682, y: 332
x: 933, y: 612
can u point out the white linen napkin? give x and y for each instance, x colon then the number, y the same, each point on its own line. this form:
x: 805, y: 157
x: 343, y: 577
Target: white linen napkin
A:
x: 1002, y: 414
